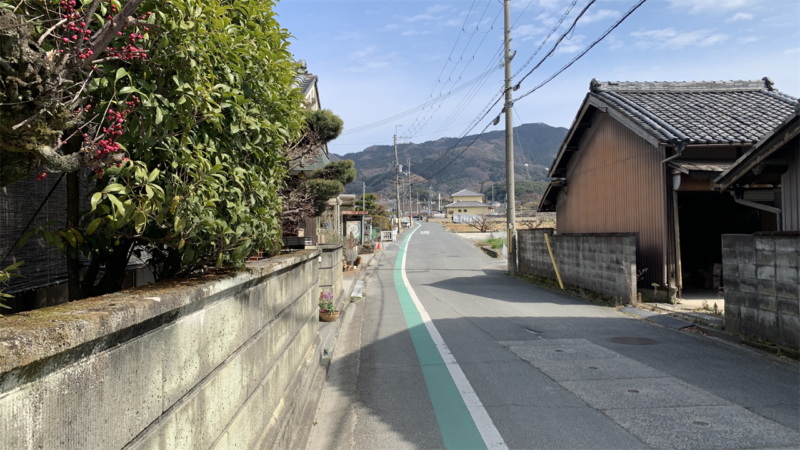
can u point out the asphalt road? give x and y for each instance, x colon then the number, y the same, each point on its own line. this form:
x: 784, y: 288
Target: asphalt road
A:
x: 538, y: 367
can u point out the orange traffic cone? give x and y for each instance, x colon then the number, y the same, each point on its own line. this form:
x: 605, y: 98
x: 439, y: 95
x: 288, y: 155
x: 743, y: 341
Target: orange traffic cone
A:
x: 379, y: 245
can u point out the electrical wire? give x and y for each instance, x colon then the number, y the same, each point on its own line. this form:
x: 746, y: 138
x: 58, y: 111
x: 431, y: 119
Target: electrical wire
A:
x: 561, y: 38
x: 550, y: 78
x: 470, y: 96
x: 555, y: 28
x: 586, y: 50
x: 419, y: 107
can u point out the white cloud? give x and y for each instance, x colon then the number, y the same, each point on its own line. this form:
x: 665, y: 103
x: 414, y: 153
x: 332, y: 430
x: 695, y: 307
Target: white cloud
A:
x: 526, y: 32
x: 748, y: 39
x: 347, y: 36
x: 415, y: 32
x: 571, y: 46
x: 359, y: 54
x: 698, y: 6
x: 739, y: 16
x: 453, y: 22
x: 674, y: 39
x: 792, y: 51
x: 368, y: 59
x: 615, y: 43
x: 437, y: 8
x: 370, y: 65
x: 546, y: 19
x: 418, y: 17
x: 590, y: 17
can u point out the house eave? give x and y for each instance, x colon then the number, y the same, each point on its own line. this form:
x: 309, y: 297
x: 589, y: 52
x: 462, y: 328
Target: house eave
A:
x: 761, y: 151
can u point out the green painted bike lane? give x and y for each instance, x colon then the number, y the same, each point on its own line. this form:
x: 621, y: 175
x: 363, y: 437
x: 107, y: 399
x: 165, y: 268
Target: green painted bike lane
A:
x: 455, y: 421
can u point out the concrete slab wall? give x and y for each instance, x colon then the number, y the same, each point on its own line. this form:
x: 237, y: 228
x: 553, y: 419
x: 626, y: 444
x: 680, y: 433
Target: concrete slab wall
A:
x: 330, y: 269
x: 761, y: 275
x: 604, y: 263
x: 185, y: 364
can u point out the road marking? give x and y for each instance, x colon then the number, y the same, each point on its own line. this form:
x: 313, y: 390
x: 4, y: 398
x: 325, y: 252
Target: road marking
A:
x: 463, y: 421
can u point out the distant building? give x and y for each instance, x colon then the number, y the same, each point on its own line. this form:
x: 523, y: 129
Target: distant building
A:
x: 466, y: 205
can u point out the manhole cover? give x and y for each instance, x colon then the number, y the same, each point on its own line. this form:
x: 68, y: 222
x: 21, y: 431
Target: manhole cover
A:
x: 632, y: 340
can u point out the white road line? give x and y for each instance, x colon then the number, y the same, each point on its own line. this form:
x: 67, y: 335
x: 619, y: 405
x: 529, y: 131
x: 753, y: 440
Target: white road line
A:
x: 491, y: 437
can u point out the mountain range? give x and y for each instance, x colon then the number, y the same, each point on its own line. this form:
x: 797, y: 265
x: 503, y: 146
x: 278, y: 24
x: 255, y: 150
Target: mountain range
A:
x: 481, y: 165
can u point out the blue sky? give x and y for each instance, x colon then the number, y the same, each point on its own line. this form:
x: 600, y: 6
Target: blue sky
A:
x: 379, y: 58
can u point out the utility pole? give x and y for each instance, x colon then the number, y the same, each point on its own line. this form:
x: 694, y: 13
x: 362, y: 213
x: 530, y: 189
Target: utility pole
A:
x: 440, y: 202
x: 364, y: 196
x: 397, y: 180
x: 410, y: 205
x: 508, y: 107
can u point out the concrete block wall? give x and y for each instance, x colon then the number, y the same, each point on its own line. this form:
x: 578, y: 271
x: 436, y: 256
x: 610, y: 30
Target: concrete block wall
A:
x: 761, y: 275
x: 603, y: 263
x: 330, y: 269
x: 187, y: 364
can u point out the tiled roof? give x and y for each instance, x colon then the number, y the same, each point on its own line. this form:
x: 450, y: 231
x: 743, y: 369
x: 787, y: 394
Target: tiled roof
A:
x: 758, y: 154
x: 717, y: 112
x: 466, y: 204
x: 466, y: 193
x: 306, y: 81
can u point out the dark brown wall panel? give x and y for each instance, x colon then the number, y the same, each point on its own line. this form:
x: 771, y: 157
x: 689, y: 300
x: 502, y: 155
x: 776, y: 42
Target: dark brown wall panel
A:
x: 615, y: 184
x: 790, y: 193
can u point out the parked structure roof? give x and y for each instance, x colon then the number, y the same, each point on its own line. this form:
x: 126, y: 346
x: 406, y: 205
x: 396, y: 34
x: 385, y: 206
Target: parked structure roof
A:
x: 466, y: 204
x: 466, y: 193
x: 764, y: 154
x: 704, y: 112
x: 690, y: 113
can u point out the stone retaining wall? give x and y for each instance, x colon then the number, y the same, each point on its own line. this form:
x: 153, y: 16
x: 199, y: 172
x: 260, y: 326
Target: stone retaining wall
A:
x: 211, y: 362
x: 762, y: 286
x: 603, y: 263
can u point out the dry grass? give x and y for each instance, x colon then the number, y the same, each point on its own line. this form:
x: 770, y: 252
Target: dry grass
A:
x: 498, y: 224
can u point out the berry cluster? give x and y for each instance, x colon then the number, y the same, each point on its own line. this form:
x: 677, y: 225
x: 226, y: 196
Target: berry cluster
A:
x: 75, y: 28
x: 41, y: 176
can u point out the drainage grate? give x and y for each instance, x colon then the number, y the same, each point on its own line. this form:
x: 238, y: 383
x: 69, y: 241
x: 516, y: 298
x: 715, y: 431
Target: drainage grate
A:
x: 632, y: 340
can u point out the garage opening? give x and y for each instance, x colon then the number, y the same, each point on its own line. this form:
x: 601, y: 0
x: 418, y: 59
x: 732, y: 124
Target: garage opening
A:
x: 704, y: 217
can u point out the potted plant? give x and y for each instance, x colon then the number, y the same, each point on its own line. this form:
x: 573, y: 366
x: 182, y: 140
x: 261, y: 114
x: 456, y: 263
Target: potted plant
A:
x: 327, y: 312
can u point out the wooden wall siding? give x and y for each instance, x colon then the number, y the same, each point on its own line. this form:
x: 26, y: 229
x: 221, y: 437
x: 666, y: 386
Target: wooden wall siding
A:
x: 614, y: 185
x: 790, y: 192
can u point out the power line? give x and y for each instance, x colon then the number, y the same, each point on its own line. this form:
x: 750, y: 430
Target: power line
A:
x: 561, y: 38
x: 550, y: 78
x: 470, y: 96
x: 414, y: 127
x: 558, y: 24
x: 384, y: 173
x: 417, y: 108
x: 586, y: 50
x: 455, y: 44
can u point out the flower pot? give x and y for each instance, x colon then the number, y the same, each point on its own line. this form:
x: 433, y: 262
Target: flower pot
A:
x: 328, y: 316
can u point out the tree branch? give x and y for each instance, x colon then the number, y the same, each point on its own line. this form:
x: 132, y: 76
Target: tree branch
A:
x: 108, y: 32
x: 57, y: 161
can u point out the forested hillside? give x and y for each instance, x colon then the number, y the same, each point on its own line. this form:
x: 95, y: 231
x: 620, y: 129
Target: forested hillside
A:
x: 481, y: 165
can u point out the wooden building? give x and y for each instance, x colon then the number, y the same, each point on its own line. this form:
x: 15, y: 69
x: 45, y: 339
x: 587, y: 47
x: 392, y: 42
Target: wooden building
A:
x: 770, y: 171
x: 641, y: 156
